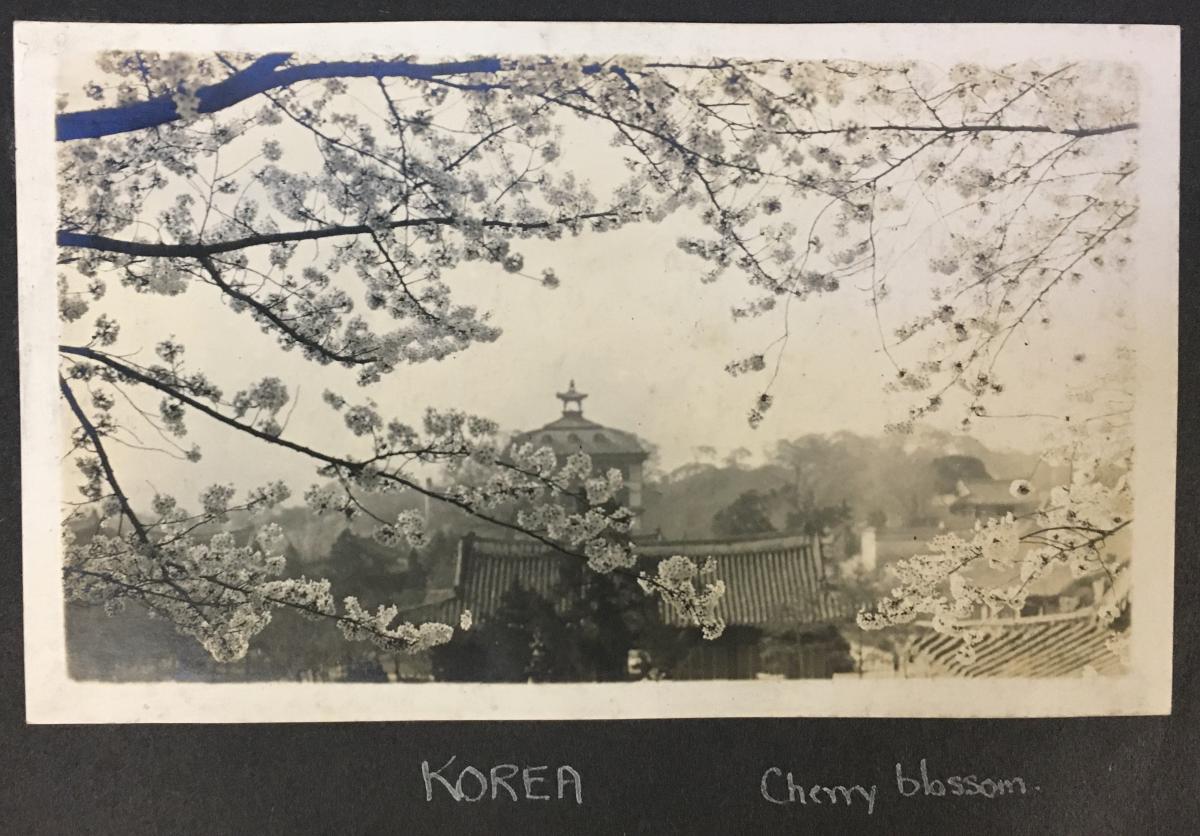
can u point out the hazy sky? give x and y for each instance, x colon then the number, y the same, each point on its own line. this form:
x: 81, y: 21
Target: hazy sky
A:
x: 638, y: 331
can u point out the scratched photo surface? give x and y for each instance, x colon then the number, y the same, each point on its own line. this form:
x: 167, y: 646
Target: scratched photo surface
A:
x: 606, y: 367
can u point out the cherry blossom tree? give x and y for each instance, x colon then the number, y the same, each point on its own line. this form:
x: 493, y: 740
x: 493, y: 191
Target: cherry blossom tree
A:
x: 1076, y: 525
x: 330, y: 203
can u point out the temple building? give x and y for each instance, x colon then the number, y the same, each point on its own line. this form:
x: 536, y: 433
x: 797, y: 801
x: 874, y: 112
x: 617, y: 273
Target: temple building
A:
x: 608, y: 447
x: 785, y: 615
x: 780, y: 612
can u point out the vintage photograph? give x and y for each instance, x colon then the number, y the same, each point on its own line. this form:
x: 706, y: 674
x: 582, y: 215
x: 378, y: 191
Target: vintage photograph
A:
x: 601, y: 365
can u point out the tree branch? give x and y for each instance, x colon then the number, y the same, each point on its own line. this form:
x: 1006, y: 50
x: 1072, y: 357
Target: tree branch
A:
x: 266, y: 74
x: 334, y: 461
x: 272, y: 317
x: 262, y: 75
x: 93, y: 435
x: 103, y: 243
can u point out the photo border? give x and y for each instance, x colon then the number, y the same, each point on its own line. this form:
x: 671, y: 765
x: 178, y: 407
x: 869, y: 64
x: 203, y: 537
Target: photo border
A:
x: 52, y: 697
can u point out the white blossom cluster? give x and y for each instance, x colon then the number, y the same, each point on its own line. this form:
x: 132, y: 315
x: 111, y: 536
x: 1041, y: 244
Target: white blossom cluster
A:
x: 215, y: 589
x: 358, y: 625
x: 1071, y: 528
x: 679, y: 581
x: 563, y: 504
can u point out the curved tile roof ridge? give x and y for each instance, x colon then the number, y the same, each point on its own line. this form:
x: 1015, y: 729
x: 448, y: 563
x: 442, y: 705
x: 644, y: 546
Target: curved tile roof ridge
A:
x: 657, y: 548
x: 727, y: 545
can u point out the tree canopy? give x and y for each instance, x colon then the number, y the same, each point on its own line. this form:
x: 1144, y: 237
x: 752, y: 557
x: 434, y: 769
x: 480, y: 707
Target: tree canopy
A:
x: 331, y: 203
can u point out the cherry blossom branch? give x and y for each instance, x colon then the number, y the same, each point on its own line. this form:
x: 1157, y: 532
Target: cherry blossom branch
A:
x: 267, y: 73
x: 262, y: 75
x: 982, y: 128
x: 102, y: 243
x: 267, y: 313
x: 93, y: 435
x: 337, y: 462
x: 139, y: 528
x: 179, y: 593
x: 137, y: 590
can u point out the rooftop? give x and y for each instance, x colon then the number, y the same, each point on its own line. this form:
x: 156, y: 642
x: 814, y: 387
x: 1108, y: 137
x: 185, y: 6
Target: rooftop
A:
x: 573, y: 433
x: 1064, y: 644
x: 768, y: 580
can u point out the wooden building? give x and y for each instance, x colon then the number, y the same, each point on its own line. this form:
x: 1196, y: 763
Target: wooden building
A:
x: 780, y: 613
x: 608, y: 448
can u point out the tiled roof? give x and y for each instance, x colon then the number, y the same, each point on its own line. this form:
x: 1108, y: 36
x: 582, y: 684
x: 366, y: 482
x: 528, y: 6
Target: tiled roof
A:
x: 572, y: 433
x: 767, y: 581
x: 487, y: 568
x: 1062, y: 644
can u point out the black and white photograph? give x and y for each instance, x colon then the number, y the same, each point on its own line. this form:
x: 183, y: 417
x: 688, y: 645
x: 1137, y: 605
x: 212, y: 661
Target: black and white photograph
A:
x: 569, y: 371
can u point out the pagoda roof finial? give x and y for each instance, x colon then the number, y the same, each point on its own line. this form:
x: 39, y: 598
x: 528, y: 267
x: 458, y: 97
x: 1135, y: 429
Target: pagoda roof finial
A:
x: 571, y: 396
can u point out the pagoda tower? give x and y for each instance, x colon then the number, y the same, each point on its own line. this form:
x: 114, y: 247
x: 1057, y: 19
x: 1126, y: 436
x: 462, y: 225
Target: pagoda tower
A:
x: 608, y: 447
